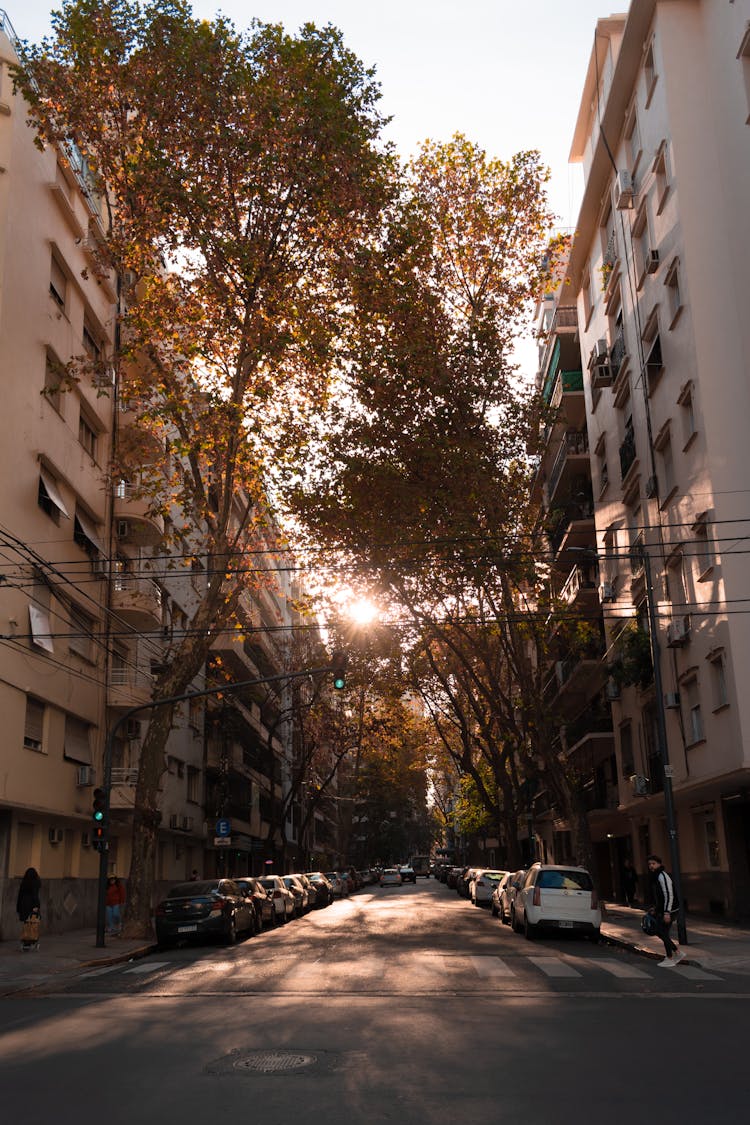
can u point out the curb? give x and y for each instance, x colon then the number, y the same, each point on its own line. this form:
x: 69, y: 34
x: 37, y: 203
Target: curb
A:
x: 641, y: 950
x: 131, y: 955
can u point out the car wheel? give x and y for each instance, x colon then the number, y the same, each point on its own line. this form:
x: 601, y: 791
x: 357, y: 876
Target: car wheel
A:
x: 514, y: 921
x: 529, y: 931
x: 493, y: 910
x: 166, y: 943
x: 594, y: 937
x: 231, y: 934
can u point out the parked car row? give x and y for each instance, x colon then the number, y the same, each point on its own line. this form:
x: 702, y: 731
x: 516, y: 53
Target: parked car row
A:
x: 541, y: 897
x: 229, y: 908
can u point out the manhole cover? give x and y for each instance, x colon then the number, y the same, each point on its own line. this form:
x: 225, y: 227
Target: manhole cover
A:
x: 274, y: 1062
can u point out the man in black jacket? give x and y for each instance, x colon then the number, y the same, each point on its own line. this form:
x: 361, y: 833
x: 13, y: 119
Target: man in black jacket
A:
x: 664, y: 909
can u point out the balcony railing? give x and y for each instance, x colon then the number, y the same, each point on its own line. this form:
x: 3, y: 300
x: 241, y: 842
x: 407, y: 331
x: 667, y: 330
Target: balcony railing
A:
x: 627, y: 454
x: 574, y: 443
x: 580, y: 578
x: 617, y: 353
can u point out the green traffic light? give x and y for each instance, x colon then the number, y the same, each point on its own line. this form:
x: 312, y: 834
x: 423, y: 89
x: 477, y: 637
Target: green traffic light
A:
x: 98, y: 815
x: 339, y: 682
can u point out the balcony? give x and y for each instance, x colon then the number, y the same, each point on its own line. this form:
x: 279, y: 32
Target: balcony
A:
x: 128, y: 687
x: 567, y: 384
x: 122, y: 793
x: 136, y: 601
x: 571, y: 525
x: 133, y: 521
x: 580, y: 583
x: 617, y: 354
x: 573, y: 453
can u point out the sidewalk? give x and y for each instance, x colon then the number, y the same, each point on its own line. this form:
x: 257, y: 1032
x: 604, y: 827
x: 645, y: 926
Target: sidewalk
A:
x: 59, y: 953
x: 711, y: 944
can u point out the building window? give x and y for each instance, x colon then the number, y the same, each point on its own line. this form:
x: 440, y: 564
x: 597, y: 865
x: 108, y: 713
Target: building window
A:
x: 87, y: 435
x: 633, y: 139
x: 588, y: 303
x: 85, y: 535
x: 601, y: 456
x: 49, y: 498
x: 90, y: 340
x: 687, y: 414
x: 663, y: 446
x: 718, y: 680
x: 58, y: 283
x: 653, y: 362
x: 649, y: 72
x: 676, y: 581
x: 660, y: 168
x: 53, y: 371
x: 642, y: 243
x: 704, y: 548
x: 81, y: 628
x: 193, y: 784
x: 712, y: 842
x: 33, y: 731
x: 693, y: 716
x: 674, y: 297
x: 118, y: 668
x: 77, y: 740
x: 744, y: 56
x: 627, y: 760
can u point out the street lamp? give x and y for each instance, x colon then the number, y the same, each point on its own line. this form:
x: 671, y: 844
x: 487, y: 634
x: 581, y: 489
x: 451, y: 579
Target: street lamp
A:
x: 661, y: 729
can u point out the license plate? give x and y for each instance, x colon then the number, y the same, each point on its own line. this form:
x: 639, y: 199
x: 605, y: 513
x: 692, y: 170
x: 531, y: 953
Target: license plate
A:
x: 187, y: 929
x: 565, y: 925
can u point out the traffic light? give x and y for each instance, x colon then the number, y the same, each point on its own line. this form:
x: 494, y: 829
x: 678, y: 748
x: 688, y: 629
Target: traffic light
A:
x: 338, y: 667
x: 99, y: 816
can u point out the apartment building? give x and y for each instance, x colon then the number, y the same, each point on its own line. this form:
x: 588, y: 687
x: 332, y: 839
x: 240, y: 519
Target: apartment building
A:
x: 87, y: 602
x: 659, y: 277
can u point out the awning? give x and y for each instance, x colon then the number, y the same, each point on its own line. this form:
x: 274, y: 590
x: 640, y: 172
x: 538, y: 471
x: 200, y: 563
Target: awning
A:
x: 88, y: 531
x: 50, y: 487
x: 40, y: 628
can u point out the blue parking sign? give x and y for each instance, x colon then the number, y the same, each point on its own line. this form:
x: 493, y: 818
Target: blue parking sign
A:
x: 223, y: 827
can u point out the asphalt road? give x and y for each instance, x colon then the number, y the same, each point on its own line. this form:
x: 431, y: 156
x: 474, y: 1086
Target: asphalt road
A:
x: 401, y: 1004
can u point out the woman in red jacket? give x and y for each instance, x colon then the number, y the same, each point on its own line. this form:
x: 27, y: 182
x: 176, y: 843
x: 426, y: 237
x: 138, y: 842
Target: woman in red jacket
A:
x: 114, y: 903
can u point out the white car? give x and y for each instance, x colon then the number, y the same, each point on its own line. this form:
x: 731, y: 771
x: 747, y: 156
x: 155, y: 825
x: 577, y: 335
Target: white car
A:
x: 506, y: 890
x: 391, y: 877
x: 483, y: 884
x: 283, y: 900
x: 557, y: 898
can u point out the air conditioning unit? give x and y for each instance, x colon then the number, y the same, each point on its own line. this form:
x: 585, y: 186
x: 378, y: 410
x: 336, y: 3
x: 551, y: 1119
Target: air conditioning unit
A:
x: 85, y: 776
x: 612, y: 690
x: 678, y: 631
x: 122, y: 529
x: 607, y: 592
x: 652, y: 261
x: 133, y: 728
x: 174, y: 821
x: 640, y: 785
x: 652, y: 487
x: 599, y: 353
x: 599, y: 365
x: 672, y: 700
x: 624, y: 191
x: 56, y: 835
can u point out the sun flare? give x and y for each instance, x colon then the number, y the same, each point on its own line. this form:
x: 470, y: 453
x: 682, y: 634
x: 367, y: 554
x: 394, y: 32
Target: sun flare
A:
x: 362, y: 611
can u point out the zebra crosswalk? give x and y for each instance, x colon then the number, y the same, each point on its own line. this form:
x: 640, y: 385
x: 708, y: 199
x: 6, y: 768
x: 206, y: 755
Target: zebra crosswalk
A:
x: 415, y: 969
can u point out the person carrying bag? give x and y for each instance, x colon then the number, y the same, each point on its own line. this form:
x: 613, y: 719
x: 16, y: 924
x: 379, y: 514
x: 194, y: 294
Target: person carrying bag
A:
x: 28, y: 908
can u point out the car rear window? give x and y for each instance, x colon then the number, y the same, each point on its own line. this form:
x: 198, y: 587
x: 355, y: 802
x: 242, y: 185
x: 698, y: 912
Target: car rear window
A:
x: 187, y: 890
x: 565, y: 880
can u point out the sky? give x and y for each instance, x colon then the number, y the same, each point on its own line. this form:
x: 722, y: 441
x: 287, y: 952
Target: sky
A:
x: 506, y: 73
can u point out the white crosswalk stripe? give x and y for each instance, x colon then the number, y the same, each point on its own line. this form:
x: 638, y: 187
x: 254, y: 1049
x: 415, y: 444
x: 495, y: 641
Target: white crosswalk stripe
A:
x: 552, y: 967
x: 692, y: 972
x: 620, y: 969
x: 101, y: 972
x: 148, y: 966
x: 492, y: 967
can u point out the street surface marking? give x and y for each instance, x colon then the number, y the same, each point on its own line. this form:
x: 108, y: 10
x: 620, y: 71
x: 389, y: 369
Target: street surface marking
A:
x: 692, y: 972
x: 101, y: 972
x: 554, y: 968
x: 618, y: 969
x: 491, y: 967
x: 148, y: 967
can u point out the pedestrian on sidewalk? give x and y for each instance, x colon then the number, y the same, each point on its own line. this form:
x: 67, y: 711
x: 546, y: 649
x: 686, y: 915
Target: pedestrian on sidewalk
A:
x: 665, y: 906
x: 28, y: 908
x: 114, y: 904
x: 629, y: 882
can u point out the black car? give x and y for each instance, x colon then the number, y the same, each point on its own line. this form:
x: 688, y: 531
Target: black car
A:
x: 206, y: 908
x: 323, y: 889
x: 261, y: 900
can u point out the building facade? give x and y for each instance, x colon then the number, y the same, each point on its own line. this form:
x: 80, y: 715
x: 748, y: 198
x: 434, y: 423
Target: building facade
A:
x: 658, y: 275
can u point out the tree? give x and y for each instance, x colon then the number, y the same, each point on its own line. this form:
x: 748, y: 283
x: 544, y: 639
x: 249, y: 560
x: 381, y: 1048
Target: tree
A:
x: 237, y: 174
x: 425, y: 462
